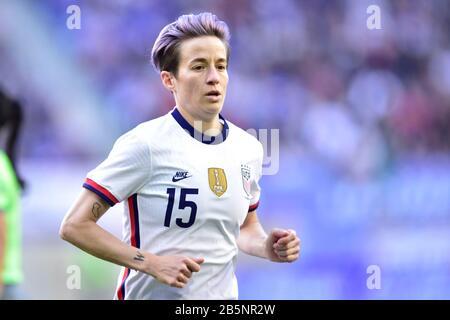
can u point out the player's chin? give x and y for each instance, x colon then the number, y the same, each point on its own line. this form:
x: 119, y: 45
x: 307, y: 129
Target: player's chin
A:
x: 213, y: 107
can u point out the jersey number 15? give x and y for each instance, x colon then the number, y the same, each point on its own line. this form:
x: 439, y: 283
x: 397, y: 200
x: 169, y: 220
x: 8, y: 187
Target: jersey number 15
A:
x: 181, y: 205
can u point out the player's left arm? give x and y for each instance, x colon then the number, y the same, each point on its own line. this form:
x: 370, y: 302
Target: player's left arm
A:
x: 279, y: 246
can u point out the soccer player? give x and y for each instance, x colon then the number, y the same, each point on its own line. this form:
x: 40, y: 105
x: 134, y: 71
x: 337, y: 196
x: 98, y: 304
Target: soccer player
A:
x: 11, y: 274
x: 188, y: 180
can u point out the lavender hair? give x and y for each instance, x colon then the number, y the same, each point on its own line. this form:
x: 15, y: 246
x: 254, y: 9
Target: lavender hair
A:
x: 165, y: 52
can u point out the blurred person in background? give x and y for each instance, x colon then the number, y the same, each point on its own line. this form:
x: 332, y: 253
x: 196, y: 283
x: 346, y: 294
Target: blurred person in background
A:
x: 189, y: 180
x: 11, y: 274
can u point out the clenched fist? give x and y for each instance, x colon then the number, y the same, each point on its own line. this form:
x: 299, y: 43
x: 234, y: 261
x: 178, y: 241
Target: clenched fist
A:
x: 283, y: 245
x: 174, y: 271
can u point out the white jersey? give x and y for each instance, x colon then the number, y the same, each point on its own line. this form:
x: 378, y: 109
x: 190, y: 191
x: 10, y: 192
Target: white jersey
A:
x: 183, y: 196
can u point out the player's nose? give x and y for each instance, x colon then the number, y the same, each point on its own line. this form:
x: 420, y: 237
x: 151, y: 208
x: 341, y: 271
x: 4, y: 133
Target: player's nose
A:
x: 213, y: 76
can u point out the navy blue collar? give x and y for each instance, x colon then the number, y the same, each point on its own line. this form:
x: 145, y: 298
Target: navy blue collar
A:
x: 199, y: 136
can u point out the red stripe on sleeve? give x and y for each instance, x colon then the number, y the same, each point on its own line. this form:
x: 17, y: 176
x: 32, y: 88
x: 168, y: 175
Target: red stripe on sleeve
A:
x: 104, y: 191
x: 253, y: 207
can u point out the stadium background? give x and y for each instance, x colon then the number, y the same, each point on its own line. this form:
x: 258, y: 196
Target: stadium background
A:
x: 363, y: 115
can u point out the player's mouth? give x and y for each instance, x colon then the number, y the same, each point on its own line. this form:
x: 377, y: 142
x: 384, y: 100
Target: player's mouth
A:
x: 213, y: 95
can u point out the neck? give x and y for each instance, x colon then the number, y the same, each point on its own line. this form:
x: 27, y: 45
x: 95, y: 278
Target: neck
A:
x: 212, y: 126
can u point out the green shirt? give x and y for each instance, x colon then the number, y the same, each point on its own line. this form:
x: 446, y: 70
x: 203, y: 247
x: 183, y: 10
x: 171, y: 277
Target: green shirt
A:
x: 10, y: 206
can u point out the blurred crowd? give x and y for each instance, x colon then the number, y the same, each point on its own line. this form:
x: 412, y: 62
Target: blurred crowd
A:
x: 355, y: 97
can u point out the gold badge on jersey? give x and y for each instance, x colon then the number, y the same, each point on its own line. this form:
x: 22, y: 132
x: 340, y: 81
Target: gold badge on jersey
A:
x: 217, y: 181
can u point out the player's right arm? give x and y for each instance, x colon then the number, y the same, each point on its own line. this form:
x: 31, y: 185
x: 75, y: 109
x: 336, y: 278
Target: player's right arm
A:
x: 80, y: 228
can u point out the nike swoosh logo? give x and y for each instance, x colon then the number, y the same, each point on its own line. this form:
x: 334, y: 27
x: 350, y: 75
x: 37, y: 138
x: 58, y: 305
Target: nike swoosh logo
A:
x: 174, y: 179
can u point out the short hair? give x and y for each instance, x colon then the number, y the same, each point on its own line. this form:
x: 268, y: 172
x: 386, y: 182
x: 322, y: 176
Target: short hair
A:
x: 165, y: 52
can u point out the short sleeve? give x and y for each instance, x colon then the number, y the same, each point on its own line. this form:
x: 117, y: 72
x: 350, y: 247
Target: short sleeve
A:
x: 125, y: 170
x: 256, y: 173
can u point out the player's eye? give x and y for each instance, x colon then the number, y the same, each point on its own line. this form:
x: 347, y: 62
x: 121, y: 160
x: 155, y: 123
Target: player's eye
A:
x: 222, y: 67
x: 198, y: 68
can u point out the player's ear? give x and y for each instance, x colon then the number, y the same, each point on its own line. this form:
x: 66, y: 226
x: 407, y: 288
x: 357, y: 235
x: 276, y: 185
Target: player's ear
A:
x: 167, y: 79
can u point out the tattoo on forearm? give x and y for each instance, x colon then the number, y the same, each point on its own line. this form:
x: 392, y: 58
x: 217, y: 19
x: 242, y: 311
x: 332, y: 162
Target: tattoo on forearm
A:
x: 96, y: 210
x: 139, y: 257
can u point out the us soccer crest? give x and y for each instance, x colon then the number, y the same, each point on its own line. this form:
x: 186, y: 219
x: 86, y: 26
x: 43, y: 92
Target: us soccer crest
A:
x: 217, y: 181
x: 246, y: 182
